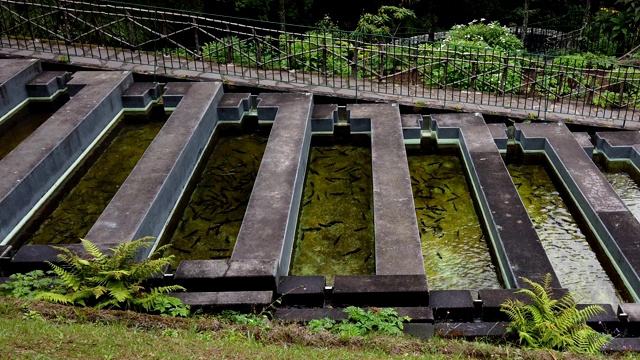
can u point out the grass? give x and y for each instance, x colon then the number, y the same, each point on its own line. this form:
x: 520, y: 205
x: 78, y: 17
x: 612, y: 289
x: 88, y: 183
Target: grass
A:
x: 37, y: 330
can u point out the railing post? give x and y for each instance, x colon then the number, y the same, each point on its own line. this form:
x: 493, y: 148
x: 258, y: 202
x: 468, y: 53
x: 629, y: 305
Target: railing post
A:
x: 195, y: 33
x: 474, y: 71
x: 258, y: 50
x: 505, y: 72
x: 228, y: 47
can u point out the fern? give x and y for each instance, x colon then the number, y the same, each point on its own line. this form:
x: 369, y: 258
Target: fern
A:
x: 555, y: 324
x: 114, y: 280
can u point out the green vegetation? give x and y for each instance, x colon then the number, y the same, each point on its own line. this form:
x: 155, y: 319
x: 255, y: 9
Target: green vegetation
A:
x: 362, y: 322
x: 554, y: 324
x: 102, y: 281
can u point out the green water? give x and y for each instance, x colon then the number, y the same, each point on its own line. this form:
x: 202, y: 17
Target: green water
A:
x: 19, y: 126
x: 210, y: 222
x: 625, y: 185
x: 335, y: 230
x: 79, y: 208
x: 571, y: 256
x: 455, y: 251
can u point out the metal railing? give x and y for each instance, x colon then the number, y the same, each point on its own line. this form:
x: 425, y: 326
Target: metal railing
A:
x: 167, y: 39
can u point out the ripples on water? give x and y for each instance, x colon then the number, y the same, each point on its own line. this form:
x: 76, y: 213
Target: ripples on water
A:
x: 335, y: 229
x: 572, y: 258
x: 453, y: 245
x: 627, y: 189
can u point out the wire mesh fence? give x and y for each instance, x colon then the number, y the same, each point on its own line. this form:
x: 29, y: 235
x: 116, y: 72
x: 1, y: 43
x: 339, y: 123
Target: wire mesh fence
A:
x: 166, y: 39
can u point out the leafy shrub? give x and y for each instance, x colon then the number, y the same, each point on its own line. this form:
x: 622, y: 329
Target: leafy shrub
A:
x: 362, y: 322
x: 114, y: 280
x: 555, y: 324
x: 31, y: 284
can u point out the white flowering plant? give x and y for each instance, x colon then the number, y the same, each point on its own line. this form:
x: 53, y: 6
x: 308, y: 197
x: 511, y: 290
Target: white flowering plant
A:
x: 483, y: 34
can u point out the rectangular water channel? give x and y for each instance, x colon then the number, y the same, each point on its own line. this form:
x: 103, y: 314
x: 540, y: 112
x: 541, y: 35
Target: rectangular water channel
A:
x: 335, y: 234
x: 569, y: 249
x: 207, y: 223
x: 454, y: 247
x: 20, y: 125
x: 78, y: 204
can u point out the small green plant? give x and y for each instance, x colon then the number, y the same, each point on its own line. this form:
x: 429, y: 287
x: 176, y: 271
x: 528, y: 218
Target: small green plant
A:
x: 63, y: 58
x: 554, y: 324
x: 235, y: 317
x: 420, y: 103
x: 114, y: 280
x: 32, y: 315
x: 362, y: 322
x: 31, y: 284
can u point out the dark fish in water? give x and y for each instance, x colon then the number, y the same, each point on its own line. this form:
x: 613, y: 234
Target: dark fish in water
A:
x: 190, y: 234
x: 326, y: 166
x: 448, y: 188
x: 440, y: 256
x: 219, y: 250
x: 433, y: 163
x: 215, y: 227
x: 458, y: 233
x: 455, y: 207
x: 196, y: 242
x: 313, y: 172
x: 306, y: 203
x: 481, y: 237
x: 226, y: 239
x: 364, y: 217
x: 438, y: 219
x: 238, y: 151
x: 184, y: 251
x: 367, y: 258
x: 360, y: 229
x: 354, y: 251
x: 337, y: 240
x: 339, y: 169
x: 312, y: 229
x: 330, y: 224
x: 336, y: 193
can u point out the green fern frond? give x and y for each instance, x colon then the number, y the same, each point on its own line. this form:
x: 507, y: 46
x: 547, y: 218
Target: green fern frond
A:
x: 54, y: 298
x: 92, y: 250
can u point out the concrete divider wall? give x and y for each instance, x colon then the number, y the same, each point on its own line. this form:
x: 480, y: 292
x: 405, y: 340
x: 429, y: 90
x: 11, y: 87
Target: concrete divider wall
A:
x: 615, y: 227
x: 35, y: 165
x: 14, y: 76
x: 144, y: 202
x: 515, y: 241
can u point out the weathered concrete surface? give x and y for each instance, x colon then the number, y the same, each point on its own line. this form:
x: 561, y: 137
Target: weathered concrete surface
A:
x: 324, y: 117
x: 143, y: 204
x: 236, y: 300
x: 233, y: 106
x: 47, y: 83
x: 411, y: 126
x: 615, y: 227
x: 380, y: 290
x: 584, y: 139
x: 452, y: 305
x: 36, y: 164
x: 140, y: 95
x: 620, y: 145
x: 513, y: 237
x: 14, y: 76
x: 268, y: 229
x: 397, y: 238
x: 499, y: 133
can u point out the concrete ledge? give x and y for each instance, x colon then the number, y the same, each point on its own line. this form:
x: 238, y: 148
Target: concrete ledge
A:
x: 452, y: 305
x: 513, y: 237
x: 584, y: 139
x: 268, y: 230
x: 233, y: 106
x: 302, y: 290
x: 411, y: 126
x: 603, y: 322
x: 623, y: 344
x: 499, y: 133
x: 381, y: 290
x: 47, y: 83
x: 39, y: 161
x: 14, y: 76
x: 223, y: 275
x: 174, y: 92
x: 620, y: 145
x: 140, y: 95
x: 143, y: 204
x: 324, y: 117
x: 397, y: 238
x: 234, y: 300
x: 471, y: 331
